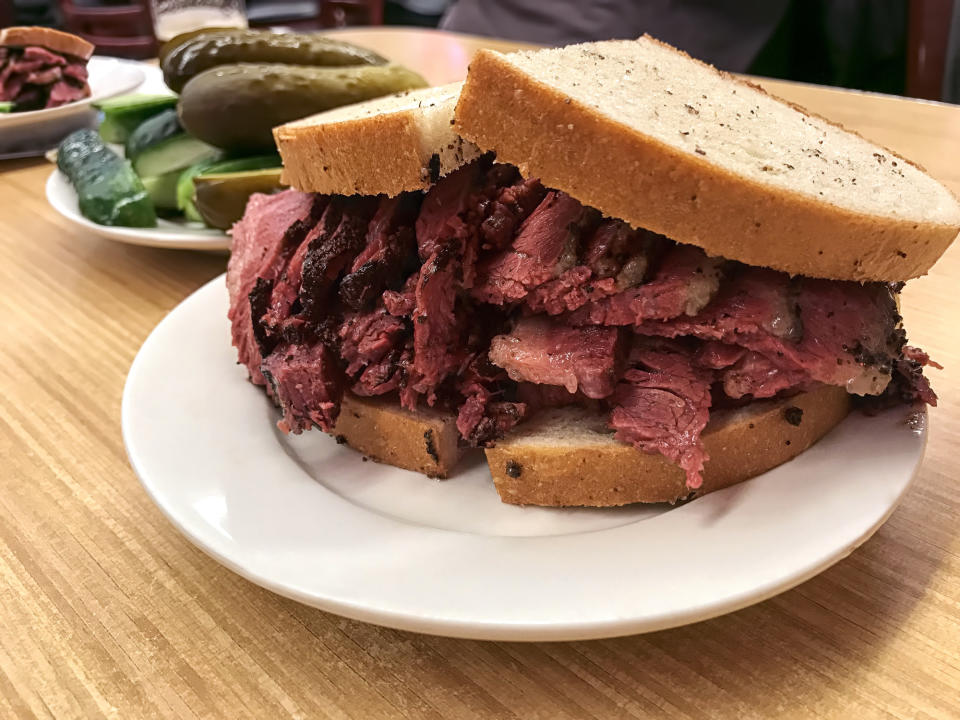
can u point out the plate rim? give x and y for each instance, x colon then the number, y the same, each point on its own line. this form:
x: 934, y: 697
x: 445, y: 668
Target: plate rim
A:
x: 496, y: 630
x: 198, y: 239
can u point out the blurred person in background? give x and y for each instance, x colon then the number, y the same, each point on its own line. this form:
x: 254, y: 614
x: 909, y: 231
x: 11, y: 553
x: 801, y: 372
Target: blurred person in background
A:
x: 852, y: 43
x: 418, y: 13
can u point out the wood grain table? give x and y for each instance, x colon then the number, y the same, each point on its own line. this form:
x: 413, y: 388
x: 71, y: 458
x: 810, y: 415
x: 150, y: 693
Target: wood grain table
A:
x: 106, y: 611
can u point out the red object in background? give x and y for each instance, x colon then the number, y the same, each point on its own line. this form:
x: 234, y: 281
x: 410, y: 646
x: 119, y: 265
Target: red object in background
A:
x: 340, y: 13
x: 317, y: 14
x: 928, y: 34
x: 7, y: 17
x: 118, y: 30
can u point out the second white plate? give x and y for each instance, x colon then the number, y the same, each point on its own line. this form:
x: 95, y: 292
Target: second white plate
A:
x: 175, y: 235
x: 307, y: 518
x: 33, y: 133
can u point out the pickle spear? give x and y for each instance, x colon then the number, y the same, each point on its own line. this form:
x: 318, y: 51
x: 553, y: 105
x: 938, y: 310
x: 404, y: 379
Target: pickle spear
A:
x: 222, y: 198
x: 109, y: 192
x: 236, y: 107
x: 226, y: 47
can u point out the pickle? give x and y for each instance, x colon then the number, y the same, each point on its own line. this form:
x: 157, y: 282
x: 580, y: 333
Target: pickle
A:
x: 185, y: 190
x: 109, y: 192
x: 178, y: 40
x: 235, y: 107
x: 227, y: 47
x: 222, y: 198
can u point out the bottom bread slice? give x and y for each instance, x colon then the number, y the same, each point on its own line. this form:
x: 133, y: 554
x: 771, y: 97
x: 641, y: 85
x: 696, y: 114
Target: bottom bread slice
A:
x: 567, y: 456
x: 424, y: 441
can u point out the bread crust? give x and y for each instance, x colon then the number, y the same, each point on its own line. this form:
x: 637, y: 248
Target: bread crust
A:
x: 425, y: 441
x: 48, y: 38
x: 385, y: 146
x: 741, y: 443
x: 635, y: 177
x: 379, y: 154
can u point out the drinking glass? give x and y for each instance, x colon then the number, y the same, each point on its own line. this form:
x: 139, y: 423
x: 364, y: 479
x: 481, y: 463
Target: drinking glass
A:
x: 172, y: 17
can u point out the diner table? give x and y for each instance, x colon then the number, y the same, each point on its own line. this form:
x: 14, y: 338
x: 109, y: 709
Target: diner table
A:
x: 107, y: 611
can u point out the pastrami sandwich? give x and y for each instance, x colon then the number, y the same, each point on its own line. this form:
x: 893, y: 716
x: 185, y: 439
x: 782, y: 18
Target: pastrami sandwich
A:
x: 42, y: 68
x: 626, y: 275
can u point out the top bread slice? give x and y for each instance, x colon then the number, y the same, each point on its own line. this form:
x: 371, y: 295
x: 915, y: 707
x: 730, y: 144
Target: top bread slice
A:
x: 48, y: 38
x: 645, y: 133
x: 386, y: 146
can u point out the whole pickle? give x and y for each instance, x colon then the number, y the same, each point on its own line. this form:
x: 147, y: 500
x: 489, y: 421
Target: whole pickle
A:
x: 178, y: 40
x: 226, y: 47
x: 236, y: 107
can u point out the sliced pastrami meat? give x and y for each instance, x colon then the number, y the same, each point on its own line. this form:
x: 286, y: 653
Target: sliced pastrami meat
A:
x: 307, y: 383
x: 507, y: 211
x: 367, y: 338
x: 403, y: 302
x: 663, y: 404
x: 284, y: 302
x: 329, y: 253
x: 484, y: 416
x: 437, y: 330
x: 548, y: 352
x: 42, y: 55
x: 545, y: 247
x: 389, y: 254
x: 64, y: 92
x: 684, y: 284
x: 260, y: 250
x: 838, y: 333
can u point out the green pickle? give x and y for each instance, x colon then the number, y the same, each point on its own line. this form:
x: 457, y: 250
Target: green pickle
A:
x: 192, y: 55
x: 178, y: 40
x: 109, y: 192
x: 235, y: 107
x: 186, y: 194
x: 222, y: 198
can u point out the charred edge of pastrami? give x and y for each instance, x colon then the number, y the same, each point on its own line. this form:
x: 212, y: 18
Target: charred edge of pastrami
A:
x: 908, y: 385
x: 329, y: 249
x: 431, y: 447
x: 868, y: 358
x: 444, y: 256
x: 259, y: 299
x: 361, y: 288
x: 488, y: 430
x: 793, y: 293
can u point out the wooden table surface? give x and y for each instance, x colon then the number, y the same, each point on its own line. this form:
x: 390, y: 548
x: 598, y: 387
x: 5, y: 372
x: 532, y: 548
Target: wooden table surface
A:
x: 105, y: 610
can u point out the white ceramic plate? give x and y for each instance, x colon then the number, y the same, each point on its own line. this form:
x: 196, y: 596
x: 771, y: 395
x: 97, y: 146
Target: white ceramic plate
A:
x: 36, y: 131
x: 168, y: 234
x: 308, y: 519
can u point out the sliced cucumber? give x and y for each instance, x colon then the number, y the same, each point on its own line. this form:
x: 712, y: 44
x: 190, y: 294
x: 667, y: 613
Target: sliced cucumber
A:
x: 108, y: 190
x: 122, y: 115
x: 163, y: 190
x: 153, y: 131
x: 135, y: 103
x: 175, y: 153
x: 6, y: 107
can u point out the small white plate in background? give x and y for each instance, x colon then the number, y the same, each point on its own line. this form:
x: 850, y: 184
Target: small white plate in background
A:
x: 26, y: 134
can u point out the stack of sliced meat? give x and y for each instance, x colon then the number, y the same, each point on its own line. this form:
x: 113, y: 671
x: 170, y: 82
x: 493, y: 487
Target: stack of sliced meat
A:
x: 494, y: 297
x: 34, y: 78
